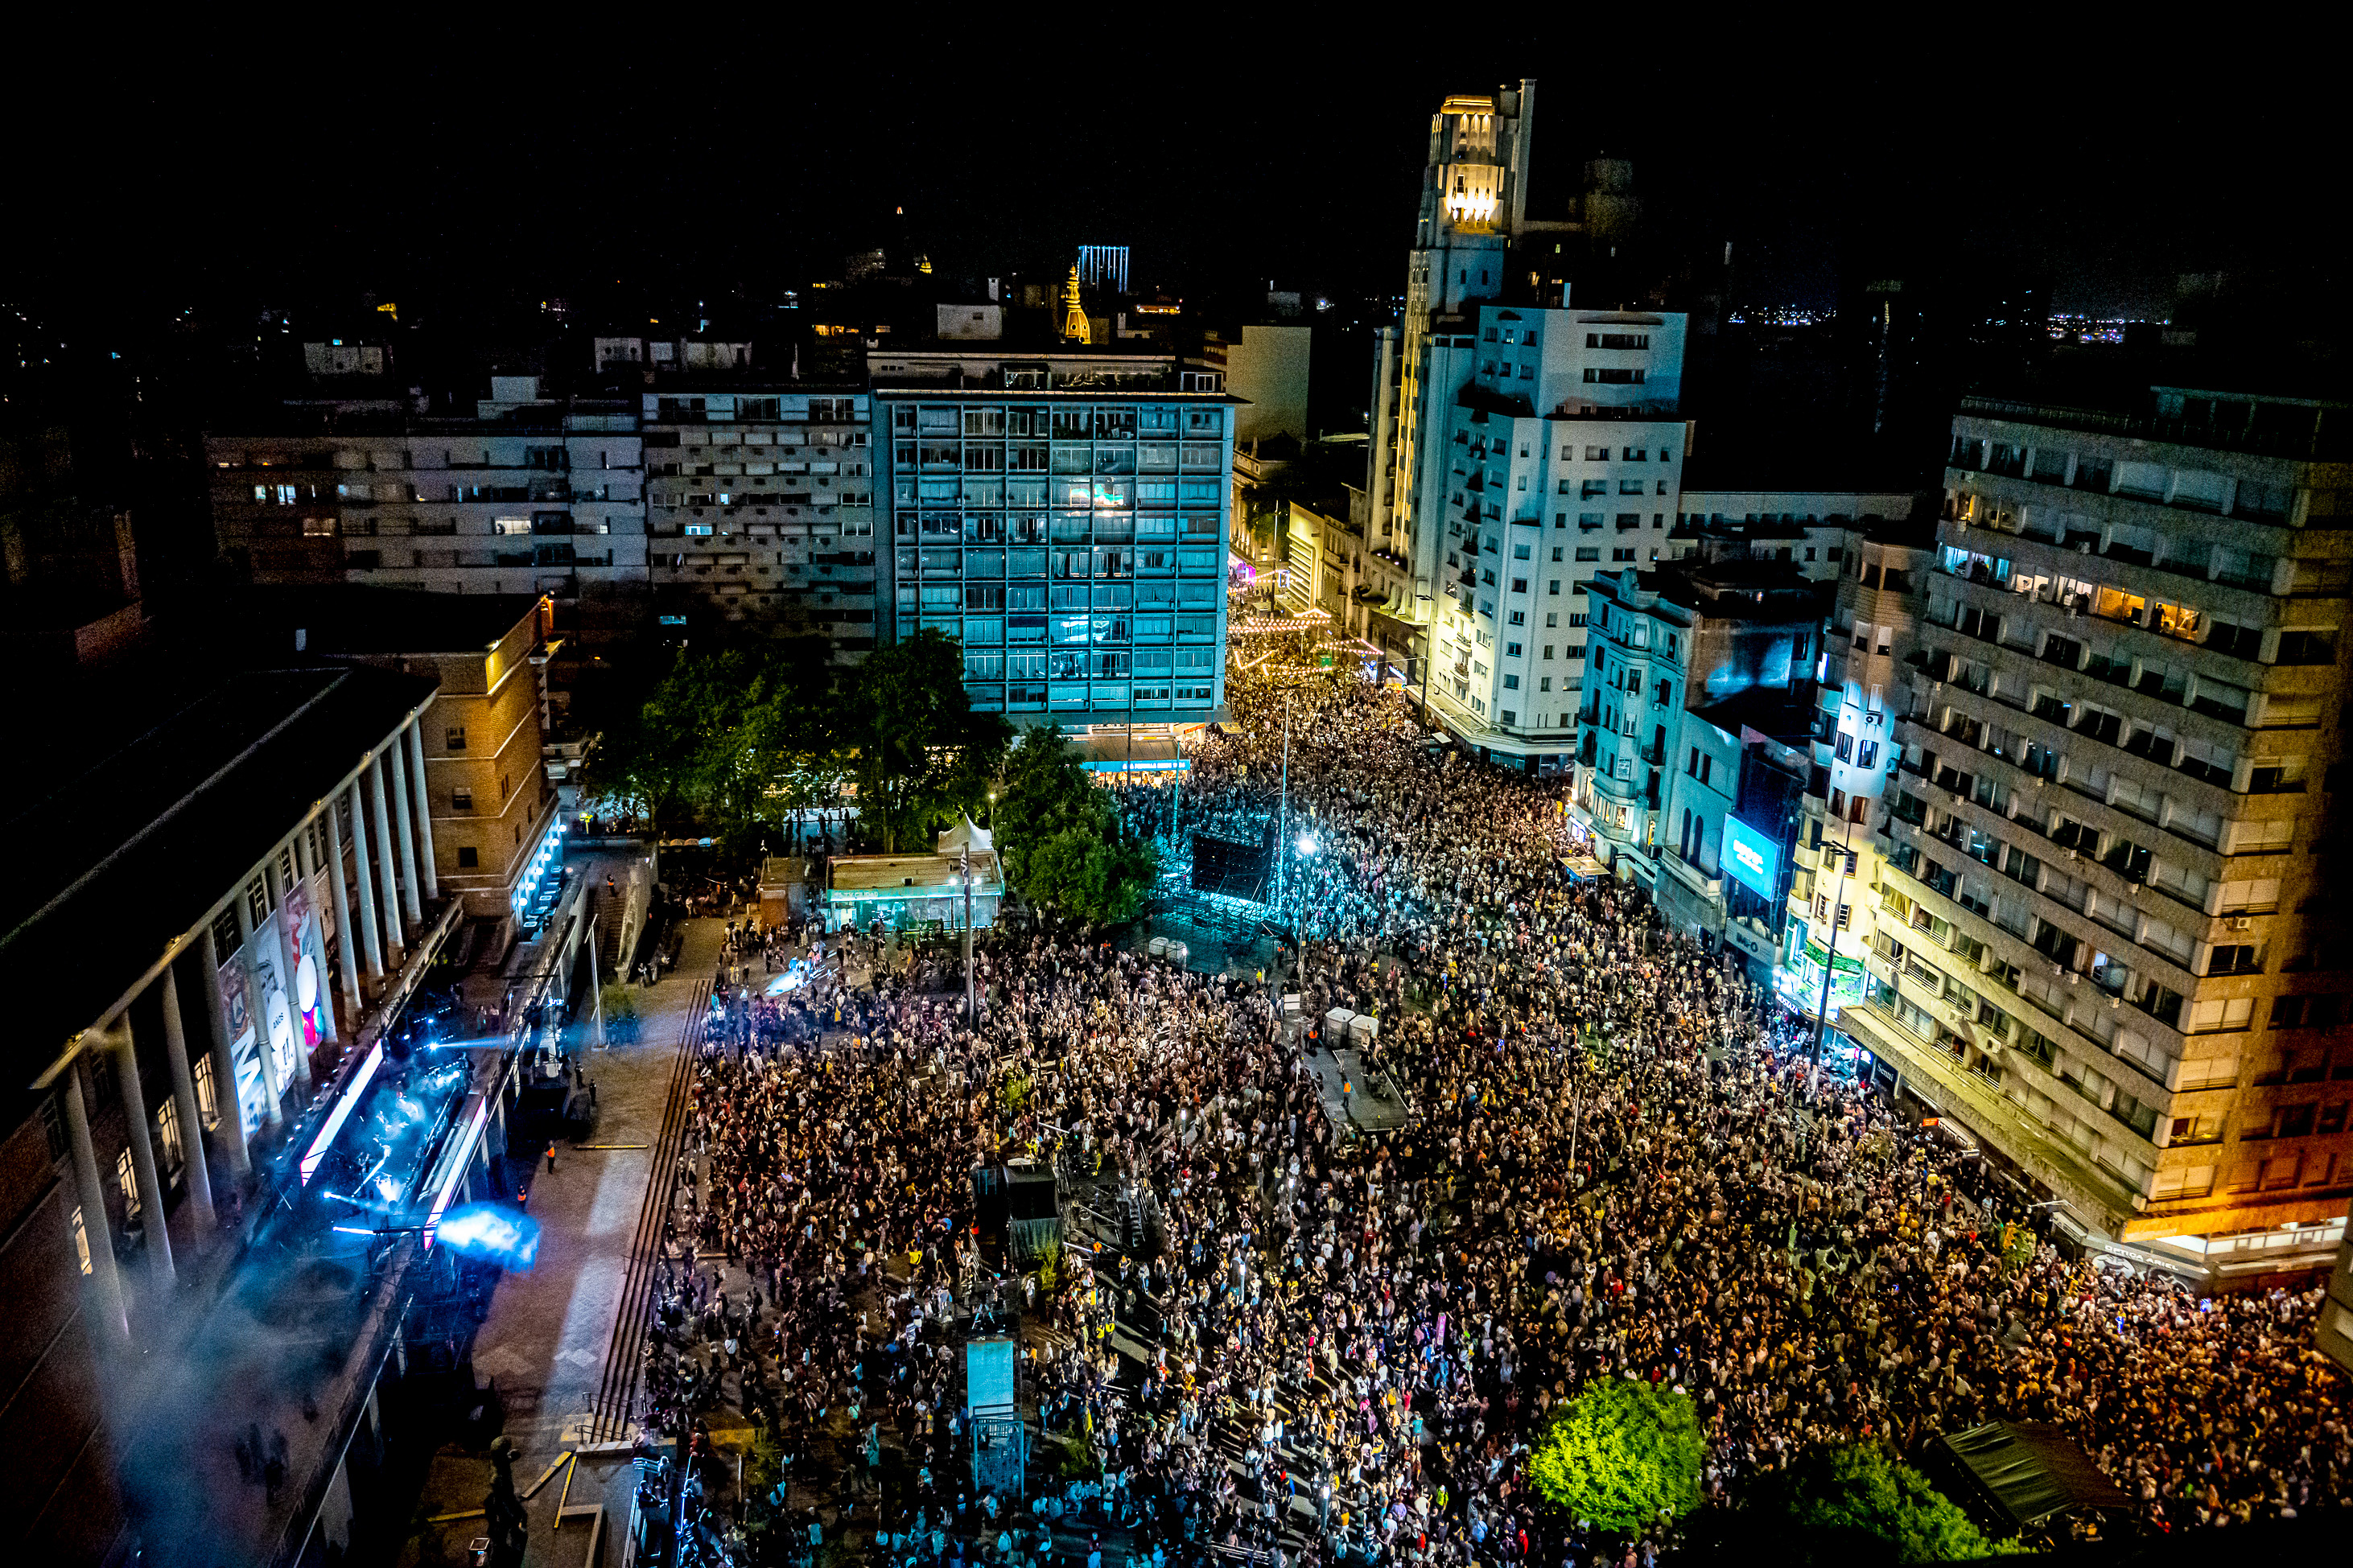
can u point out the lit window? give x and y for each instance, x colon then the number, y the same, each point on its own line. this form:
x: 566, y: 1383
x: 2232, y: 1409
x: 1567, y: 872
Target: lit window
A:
x: 167, y: 1134
x: 128, y: 1180
x: 81, y: 1239
x: 207, y: 1095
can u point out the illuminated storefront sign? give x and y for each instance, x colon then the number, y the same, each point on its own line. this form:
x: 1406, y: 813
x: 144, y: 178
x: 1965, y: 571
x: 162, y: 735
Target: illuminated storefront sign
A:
x: 1753, y: 859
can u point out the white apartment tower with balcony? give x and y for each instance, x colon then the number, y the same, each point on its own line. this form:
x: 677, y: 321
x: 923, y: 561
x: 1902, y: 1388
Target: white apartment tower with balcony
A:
x: 2109, y: 939
x: 1554, y: 453
x: 1473, y: 200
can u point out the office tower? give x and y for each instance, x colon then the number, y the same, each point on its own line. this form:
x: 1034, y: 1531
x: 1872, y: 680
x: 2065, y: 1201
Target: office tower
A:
x: 533, y: 495
x: 1553, y: 451
x: 2112, y: 851
x: 760, y: 508
x: 1063, y: 515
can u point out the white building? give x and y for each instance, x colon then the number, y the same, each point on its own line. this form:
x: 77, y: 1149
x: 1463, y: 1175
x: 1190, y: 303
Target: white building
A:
x: 1551, y: 450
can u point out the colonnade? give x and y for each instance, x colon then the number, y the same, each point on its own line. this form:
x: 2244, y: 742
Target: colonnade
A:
x: 384, y: 899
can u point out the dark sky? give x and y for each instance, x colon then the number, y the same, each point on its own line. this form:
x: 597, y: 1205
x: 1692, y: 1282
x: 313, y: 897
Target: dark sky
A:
x: 215, y: 171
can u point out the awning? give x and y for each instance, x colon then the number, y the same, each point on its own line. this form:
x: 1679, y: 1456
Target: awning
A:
x: 2020, y: 1474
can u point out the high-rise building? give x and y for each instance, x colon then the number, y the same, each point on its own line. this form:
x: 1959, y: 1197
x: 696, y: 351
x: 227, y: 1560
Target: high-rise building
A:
x: 2108, y: 950
x: 1874, y: 626
x: 533, y: 495
x: 1473, y: 196
x: 1064, y: 516
x: 760, y: 511
x: 1551, y: 450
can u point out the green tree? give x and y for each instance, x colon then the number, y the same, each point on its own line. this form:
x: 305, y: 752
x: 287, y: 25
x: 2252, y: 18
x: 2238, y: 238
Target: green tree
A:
x: 1061, y: 838
x: 1855, y: 1504
x: 1623, y: 1454
x: 923, y: 755
x: 725, y: 738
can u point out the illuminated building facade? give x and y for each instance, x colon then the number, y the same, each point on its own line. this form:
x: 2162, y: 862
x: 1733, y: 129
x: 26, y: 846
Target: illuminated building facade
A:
x: 1551, y: 452
x: 1473, y: 198
x: 1104, y: 266
x: 261, y: 886
x: 1873, y: 627
x: 1692, y: 741
x: 2110, y: 853
x: 534, y: 495
x: 760, y: 510
x: 1063, y: 516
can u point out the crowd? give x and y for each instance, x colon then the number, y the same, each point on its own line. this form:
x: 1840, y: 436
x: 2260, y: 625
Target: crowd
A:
x: 1338, y: 1345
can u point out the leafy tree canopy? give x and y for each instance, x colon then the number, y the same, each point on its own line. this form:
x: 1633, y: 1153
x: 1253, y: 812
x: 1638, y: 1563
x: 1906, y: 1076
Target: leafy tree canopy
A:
x: 1851, y: 1505
x: 1622, y: 1454
x: 1061, y: 838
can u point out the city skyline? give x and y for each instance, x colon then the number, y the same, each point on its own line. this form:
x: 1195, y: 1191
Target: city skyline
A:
x: 450, y: 186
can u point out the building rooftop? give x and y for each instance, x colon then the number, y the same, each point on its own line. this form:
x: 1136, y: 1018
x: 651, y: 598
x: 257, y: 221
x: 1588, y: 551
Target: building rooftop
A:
x: 150, y: 810
x: 888, y: 873
x: 352, y: 619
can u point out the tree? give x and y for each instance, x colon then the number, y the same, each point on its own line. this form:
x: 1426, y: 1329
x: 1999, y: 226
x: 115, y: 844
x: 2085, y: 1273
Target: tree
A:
x: 1856, y: 1504
x: 1061, y: 841
x: 726, y: 737
x: 1623, y: 1454
x: 923, y: 755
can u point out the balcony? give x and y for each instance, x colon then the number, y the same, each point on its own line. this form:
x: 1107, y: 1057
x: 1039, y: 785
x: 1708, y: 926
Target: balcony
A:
x: 2306, y: 445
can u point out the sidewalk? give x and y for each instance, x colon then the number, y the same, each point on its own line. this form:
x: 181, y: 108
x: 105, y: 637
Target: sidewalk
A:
x: 549, y: 1330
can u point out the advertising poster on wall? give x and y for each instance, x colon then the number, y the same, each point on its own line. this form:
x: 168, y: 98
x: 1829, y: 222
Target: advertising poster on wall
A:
x: 302, y: 934
x: 234, y: 1005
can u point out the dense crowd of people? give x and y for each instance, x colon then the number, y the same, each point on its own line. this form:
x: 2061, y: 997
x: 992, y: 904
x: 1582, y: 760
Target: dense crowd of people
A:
x: 1314, y: 1341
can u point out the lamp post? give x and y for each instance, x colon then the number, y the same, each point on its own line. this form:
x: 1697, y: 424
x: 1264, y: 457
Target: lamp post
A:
x: 971, y: 1008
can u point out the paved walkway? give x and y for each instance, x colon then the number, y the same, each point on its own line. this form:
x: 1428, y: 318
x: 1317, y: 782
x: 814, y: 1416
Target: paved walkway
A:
x: 549, y: 1330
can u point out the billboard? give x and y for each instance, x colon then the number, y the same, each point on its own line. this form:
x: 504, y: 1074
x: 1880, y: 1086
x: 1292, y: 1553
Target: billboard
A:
x: 1751, y: 858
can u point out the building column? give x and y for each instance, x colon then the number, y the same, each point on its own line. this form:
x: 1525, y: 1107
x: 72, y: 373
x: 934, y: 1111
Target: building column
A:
x: 396, y: 935
x: 303, y: 871
x: 362, y: 865
x: 340, y: 886
x: 273, y: 1111
x: 114, y: 1323
x: 425, y: 863
x: 225, y: 1091
x: 183, y: 1096
x: 289, y: 955
x: 396, y: 765
x: 157, y: 1227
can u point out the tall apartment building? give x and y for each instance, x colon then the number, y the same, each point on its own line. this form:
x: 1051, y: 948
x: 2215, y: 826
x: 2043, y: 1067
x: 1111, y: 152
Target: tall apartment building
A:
x: 1873, y: 625
x: 533, y: 495
x: 1064, y: 516
x: 760, y: 511
x: 1551, y: 452
x: 2107, y: 947
x: 1474, y: 202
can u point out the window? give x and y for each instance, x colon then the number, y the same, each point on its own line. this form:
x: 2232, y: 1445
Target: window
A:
x: 1510, y: 683
x: 1519, y: 617
x: 207, y: 1093
x: 454, y: 738
x: 127, y: 1180
x: 1627, y: 555
x: 1519, y: 585
x: 167, y: 1136
x: 1588, y: 552
x: 1511, y: 650
x: 469, y: 857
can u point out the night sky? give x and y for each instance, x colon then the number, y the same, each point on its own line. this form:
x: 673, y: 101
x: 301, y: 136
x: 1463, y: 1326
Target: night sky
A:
x: 234, y: 172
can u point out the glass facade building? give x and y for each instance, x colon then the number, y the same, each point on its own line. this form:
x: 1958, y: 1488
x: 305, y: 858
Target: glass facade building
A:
x: 1073, y: 541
